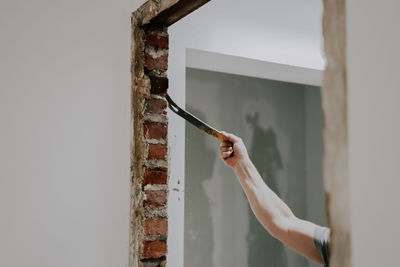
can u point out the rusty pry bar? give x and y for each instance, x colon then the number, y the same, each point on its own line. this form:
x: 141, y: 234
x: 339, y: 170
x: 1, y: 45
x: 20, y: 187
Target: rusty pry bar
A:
x: 193, y: 120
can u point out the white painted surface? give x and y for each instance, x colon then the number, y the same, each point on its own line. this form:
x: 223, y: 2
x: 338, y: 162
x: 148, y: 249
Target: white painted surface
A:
x: 373, y: 39
x: 65, y: 132
x: 285, y: 32
x: 203, y: 60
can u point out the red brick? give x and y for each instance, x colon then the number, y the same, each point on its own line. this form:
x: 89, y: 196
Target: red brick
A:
x: 157, y: 151
x: 154, y: 249
x: 155, y: 198
x: 155, y: 176
x: 156, y: 226
x: 159, y: 63
x: 155, y: 130
x: 156, y: 106
x: 157, y: 40
x: 159, y: 85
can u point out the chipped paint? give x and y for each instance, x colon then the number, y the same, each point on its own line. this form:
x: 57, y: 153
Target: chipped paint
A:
x: 334, y: 101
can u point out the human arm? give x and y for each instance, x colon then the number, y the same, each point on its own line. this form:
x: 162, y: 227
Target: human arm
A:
x: 275, y: 216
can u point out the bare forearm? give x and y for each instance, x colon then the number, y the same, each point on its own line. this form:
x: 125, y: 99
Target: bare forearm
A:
x: 274, y: 214
x: 269, y: 209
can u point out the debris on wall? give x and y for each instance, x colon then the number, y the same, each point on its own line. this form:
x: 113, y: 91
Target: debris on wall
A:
x: 150, y: 166
x: 149, y: 146
x: 334, y: 103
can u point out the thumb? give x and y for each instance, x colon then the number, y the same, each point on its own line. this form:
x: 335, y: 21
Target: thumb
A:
x: 229, y: 137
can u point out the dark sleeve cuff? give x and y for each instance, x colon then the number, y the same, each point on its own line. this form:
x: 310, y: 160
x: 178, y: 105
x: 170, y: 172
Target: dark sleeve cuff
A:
x: 321, y: 241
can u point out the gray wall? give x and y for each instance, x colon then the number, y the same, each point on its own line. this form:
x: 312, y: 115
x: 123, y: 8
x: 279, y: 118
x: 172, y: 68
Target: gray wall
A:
x: 315, y: 195
x: 373, y: 41
x: 271, y: 117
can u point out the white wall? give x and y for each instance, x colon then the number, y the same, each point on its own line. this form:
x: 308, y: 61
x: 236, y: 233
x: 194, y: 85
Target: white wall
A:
x: 65, y: 132
x: 373, y: 39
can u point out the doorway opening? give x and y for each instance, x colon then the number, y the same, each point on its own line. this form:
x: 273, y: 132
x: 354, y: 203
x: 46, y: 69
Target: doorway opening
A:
x: 151, y: 217
x: 281, y: 125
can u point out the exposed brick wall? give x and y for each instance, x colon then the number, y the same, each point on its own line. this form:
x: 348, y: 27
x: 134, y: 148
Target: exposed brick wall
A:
x: 149, y: 147
x: 153, y: 120
x: 149, y: 223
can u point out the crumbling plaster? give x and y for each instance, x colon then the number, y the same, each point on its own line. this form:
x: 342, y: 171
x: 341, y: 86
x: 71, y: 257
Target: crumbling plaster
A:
x: 334, y: 103
x: 149, y: 146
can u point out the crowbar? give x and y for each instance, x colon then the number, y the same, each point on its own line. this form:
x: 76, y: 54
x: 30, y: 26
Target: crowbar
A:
x: 194, y: 121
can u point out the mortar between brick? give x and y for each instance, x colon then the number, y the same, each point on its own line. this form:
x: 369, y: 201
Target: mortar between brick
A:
x: 150, y: 128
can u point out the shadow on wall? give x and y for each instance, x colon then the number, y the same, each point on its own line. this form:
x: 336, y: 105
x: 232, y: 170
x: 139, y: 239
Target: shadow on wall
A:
x: 265, y: 155
x: 282, y: 122
x: 199, y: 238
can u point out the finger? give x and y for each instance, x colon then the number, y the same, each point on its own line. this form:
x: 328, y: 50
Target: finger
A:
x: 226, y: 155
x: 226, y: 144
x: 226, y: 149
x: 230, y: 137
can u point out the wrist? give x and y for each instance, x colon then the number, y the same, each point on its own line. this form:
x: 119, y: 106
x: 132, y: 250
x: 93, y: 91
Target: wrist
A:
x: 242, y: 164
